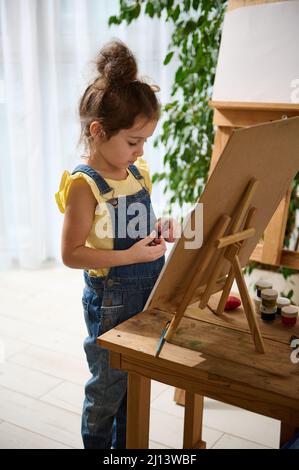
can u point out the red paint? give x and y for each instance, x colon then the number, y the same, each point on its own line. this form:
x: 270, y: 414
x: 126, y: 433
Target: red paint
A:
x: 232, y: 303
x: 288, y: 321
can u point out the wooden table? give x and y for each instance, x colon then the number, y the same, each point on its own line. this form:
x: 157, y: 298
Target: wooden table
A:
x: 209, y: 356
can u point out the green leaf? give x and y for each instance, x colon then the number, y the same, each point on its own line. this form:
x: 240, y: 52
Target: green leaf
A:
x: 195, y: 4
x: 168, y: 58
x: 113, y: 20
x: 181, y: 74
x: 136, y: 11
x: 169, y: 4
x: 287, y: 272
x: 149, y: 9
x: 187, y: 4
x: 176, y: 13
x: 190, y: 27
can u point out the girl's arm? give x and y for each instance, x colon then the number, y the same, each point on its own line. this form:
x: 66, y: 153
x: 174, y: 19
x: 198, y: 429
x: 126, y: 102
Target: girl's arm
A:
x: 78, y: 220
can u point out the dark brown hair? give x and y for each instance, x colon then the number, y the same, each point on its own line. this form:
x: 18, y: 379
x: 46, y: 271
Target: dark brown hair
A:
x: 116, y: 97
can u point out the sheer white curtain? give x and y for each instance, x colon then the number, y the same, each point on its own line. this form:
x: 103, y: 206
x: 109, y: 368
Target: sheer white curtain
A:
x: 46, y: 49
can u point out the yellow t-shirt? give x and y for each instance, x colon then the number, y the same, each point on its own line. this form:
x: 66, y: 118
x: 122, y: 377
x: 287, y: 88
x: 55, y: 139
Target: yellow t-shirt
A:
x: 101, y: 232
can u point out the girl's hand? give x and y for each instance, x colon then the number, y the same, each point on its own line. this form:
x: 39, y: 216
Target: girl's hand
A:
x: 170, y: 229
x: 142, y: 252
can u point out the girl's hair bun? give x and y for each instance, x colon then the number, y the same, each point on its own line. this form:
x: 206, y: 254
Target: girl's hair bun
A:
x: 116, y: 96
x: 116, y: 64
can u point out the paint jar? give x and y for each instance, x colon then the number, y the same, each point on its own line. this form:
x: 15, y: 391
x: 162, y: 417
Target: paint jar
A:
x: 257, y: 303
x: 268, y: 314
x: 260, y: 285
x: 269, y: 298
x: 282, y: 302
x: 289, y: 315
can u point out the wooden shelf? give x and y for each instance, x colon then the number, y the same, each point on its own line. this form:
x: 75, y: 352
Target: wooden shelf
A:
x: 248, y: 105
x: 288, y: 258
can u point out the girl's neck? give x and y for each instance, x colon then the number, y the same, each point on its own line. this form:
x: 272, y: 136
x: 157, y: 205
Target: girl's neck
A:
x: 107, y: 171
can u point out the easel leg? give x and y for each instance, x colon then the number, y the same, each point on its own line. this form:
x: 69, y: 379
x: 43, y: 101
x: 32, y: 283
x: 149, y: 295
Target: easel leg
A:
x: 138, y: 411
x: 225, y: 292
x: 193, y: 422
x: 247, y: 304
x: 218, y: 231
x: 237, y: 223
x: 179, y: 396
x: 286, y: 433
x: 231, y: 276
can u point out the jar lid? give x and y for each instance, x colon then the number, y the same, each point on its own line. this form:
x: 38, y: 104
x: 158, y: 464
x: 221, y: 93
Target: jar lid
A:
x: 263, y: 284
x: 283, y: 301
x: 290, y: 311
x: 270, y: 294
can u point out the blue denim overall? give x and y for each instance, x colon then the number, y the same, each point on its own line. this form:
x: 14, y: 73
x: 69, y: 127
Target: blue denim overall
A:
x: 108, y: 301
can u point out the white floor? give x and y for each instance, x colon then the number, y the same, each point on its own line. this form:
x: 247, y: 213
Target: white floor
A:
x: 43, y: 370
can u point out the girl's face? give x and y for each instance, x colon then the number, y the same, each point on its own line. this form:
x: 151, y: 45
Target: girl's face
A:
x: 123, y: 149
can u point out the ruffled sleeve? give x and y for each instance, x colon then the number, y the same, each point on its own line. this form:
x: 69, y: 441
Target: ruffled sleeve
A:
x: 143, y: 167
x: 65, y: 185
x: 60, y: 196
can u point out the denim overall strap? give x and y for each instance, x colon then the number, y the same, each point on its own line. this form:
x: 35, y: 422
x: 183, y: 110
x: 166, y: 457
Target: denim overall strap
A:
x: 141, y: 275
x: 135, y: 172
x: 102, y: 185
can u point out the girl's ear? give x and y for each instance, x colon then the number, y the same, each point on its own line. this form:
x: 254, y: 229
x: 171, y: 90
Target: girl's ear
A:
x: 96, y: 129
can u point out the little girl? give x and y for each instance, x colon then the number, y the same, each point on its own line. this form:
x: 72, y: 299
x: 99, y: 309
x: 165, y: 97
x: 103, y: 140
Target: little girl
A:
x: 120, y: 253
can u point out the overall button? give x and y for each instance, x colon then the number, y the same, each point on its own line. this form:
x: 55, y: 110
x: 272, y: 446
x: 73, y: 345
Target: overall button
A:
x: 110, y: 282
x: 113, y: 201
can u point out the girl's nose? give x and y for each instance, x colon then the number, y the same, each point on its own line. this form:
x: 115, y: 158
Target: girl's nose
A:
x: 139, y: 148
x: 138, y: 152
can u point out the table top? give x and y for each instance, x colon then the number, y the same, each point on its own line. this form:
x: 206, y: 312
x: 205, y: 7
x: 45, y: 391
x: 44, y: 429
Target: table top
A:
x: 214, y: 356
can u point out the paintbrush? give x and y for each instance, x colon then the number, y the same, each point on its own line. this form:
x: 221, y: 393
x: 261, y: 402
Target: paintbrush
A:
x: 162, y: 339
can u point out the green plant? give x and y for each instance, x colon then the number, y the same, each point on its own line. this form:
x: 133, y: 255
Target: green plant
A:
x: 291, y: 222
x: 291, y: 228
x: 288, y: 295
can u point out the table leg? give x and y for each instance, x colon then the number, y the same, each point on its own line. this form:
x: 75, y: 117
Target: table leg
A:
x: 193, y: 421
x: 179, y: 396
x: 286, y: 433
x: 138, y: 411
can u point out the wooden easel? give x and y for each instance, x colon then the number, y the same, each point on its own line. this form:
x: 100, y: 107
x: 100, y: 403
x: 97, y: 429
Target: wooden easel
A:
x: 252, y: 178
x: 227, y: 248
